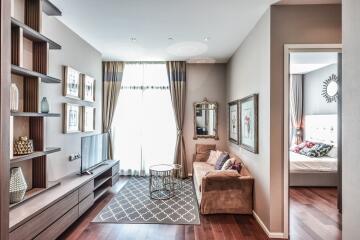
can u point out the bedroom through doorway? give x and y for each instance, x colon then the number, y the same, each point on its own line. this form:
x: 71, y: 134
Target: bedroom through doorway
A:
x: 313, y: 151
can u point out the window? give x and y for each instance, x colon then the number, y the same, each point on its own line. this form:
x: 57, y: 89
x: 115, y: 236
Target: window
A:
x: 144, y: 129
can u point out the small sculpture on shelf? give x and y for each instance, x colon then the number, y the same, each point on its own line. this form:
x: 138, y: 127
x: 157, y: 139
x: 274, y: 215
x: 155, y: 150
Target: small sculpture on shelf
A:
x: 18, y: 185
x: 14, y: 98
x: 23, y: 146
x: 44, y: 105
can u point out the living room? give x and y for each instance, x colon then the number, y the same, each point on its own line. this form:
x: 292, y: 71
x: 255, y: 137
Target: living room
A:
x: 118, y: 123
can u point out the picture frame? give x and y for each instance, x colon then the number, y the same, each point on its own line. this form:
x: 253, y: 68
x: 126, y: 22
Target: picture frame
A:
x: 248, y: 116
x: 72, y: 118
x: 72, y: 83
x: 88, y: 119
x: 88, y: 88
x: 233, y: 121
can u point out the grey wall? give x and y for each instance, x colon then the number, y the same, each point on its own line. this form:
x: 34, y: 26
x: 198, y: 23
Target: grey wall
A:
x: 83, y: 57
x: 314, y: 102
x: 204, y: 80
x: 248, y: 72
x: 351, y: 119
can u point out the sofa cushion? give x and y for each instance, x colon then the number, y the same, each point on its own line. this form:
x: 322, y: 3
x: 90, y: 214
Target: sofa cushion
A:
x: 213, y: 157
x: 221, y: 160
x: 200, y: 169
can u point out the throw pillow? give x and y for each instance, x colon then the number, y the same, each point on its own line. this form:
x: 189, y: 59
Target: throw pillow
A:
x: 333, y: 152
x: 237, y: 167
x: 221, y: 160
x: 213, y: 157
x: 318, y: 150
x: 228, y: 164
x: 299, y: 147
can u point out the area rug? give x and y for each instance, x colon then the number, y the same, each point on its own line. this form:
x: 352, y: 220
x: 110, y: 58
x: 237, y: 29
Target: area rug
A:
x: 132, y: 204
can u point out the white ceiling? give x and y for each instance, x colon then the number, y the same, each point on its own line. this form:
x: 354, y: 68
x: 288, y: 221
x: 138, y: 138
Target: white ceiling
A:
x: 304, y: 62
x: 108, y: 25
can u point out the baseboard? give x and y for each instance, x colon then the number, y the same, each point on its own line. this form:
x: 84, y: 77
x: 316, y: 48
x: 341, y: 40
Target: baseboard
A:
x: 268, y: 233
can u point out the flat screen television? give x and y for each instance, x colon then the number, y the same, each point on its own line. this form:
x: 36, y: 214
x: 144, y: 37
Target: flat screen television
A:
x: 93, y: 151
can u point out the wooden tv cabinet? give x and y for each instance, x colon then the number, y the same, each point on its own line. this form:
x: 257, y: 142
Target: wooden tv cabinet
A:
x: 49, y: 214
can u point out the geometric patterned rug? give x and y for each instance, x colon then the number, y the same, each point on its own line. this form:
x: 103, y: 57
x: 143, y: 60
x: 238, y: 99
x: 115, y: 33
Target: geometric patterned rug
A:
x: 132, y: 204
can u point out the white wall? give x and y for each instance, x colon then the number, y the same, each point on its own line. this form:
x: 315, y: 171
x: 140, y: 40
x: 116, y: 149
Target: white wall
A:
x: 314, y: 102
x: 204, y: 80
x: 351, y: 119
x: 80, y: 55
x: 248, y: 73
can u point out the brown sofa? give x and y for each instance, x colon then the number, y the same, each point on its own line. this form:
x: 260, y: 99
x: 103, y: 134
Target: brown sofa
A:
x: 221, y: 191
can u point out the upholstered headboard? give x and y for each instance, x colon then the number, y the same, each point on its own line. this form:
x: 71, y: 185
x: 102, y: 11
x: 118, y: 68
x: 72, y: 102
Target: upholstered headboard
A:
x: 321, y: 128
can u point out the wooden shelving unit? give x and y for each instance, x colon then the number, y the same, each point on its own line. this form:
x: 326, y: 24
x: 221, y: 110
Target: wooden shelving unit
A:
x: 28, y: 77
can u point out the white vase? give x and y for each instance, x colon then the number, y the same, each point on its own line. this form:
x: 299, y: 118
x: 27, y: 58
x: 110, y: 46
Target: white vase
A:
x: 18, y: 185
x: 14, y: 98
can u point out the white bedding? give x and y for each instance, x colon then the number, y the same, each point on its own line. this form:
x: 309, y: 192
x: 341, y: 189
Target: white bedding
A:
x: 302, y: 163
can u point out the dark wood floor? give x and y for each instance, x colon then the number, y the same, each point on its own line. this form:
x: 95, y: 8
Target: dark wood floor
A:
x: 314, y: 214
x: 212, y: 227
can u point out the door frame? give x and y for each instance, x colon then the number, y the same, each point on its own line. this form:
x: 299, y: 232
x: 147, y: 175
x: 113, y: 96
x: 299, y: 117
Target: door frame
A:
x: 288, y: 48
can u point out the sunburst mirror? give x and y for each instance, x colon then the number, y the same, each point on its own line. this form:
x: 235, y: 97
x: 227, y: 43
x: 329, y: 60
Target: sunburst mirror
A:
x: 330, y: 89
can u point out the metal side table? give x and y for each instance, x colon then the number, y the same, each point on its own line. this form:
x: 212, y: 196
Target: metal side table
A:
x: 161, y: 184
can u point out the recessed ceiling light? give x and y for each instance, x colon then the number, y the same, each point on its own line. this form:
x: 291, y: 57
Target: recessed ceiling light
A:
x: 133, y: 39
x: 170, y: 38
x: 206, y: 39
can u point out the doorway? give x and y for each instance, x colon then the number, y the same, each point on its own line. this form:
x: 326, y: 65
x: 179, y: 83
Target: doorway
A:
x: 312, y: 141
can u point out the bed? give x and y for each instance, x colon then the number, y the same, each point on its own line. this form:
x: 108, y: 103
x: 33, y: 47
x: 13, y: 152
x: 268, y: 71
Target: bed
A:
x: 310, y: 171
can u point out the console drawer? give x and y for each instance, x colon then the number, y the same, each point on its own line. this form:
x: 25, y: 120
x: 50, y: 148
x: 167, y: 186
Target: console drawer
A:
x: 37, y: 224
x: 86, y: 189
x: 60, y: 225
x: 86, y: 204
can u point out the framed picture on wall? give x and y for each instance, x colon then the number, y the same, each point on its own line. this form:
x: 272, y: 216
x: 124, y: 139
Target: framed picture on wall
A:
x: 234, y: 122
x: 72, y: 118
x: 248, y: 107
x: 72, y: 83
x: 88, y: 88
x: 88, y: 119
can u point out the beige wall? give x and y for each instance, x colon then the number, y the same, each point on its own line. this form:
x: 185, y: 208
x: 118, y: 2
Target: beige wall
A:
x: 204, y: 80
x: 290, y: 25
x: 248, y: 72
x: 351, y: 118
x: 83, y: 57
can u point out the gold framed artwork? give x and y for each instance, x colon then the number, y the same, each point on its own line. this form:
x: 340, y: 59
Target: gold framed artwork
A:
x: 88, y: 119
x: 72, y: 118
x: 88, y: 88
x: 72, y: 83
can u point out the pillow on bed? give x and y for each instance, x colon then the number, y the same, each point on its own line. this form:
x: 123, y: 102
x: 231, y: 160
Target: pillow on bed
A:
x: 333, y: 152
x: 299, y: 147
x: 318, y: 150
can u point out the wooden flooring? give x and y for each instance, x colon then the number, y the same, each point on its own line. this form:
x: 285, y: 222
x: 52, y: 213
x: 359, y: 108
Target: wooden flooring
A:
x: 211, y: 227
x: 314, y: 214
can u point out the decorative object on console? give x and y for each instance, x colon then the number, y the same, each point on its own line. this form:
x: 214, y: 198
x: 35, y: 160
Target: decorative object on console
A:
x: 18, y: 185
x: 88, y: 88
x: 205, y: 119
x: 71, y: 118
x: 88, y: 119
x: 44, y: 105
x: 249, y: 123
x: 23, y: 146
x: 234, y: 122
x: 14, y: 98
x: 330, y: 89
x: 72, y: 83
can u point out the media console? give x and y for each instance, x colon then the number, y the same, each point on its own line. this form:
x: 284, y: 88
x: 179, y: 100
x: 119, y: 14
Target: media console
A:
x: 49, y: 214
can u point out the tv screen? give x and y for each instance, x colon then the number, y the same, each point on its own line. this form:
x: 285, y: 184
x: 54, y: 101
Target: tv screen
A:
x: 93, y: 151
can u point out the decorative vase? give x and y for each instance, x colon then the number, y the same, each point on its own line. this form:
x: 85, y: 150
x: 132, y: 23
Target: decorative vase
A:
x: 23, y: 146
x: 18, y: 185
x: 44, y: 105
x: 14, y: 98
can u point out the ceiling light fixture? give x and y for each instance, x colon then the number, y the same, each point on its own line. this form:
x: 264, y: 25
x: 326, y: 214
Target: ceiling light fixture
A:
x: 170, y: 38
x: 206, y: 39
x: 133, y: 39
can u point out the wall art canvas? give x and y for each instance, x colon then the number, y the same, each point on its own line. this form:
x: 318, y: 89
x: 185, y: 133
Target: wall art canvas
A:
x: 249, y: 123
x: 88, y: 119
x: 88, y: 88
x: 72, y: 118
x: 72, y: 83
x: 234, y: 122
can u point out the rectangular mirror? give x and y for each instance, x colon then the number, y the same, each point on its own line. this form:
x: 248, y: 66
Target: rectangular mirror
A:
x: 205, y: 119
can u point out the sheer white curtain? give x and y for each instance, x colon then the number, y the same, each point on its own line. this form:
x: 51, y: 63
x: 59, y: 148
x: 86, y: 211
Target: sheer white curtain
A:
x: 144, y: 127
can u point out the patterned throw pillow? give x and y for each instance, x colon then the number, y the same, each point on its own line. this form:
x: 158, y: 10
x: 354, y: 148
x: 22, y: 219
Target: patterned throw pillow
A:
x: 318, y: 150
x: 298, y: 148
x: 228, y: 164
x: 237, y: 167
x: 221, y: 160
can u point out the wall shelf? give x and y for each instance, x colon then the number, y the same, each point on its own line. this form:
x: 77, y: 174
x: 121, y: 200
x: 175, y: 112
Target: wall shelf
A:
x: 33, y: 35
x: 29, y: 73
x: 100, y: 191
x: 34, y: 114
x: 50, y: 9
x: 35, y: 154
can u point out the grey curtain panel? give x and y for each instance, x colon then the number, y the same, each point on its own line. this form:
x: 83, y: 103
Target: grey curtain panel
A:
x: 296, y: 107
x: 176, y: 71
x: 112, y: 77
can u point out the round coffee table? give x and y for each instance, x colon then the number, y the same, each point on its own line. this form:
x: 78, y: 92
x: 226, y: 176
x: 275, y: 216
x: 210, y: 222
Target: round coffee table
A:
x: 161, y: 184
